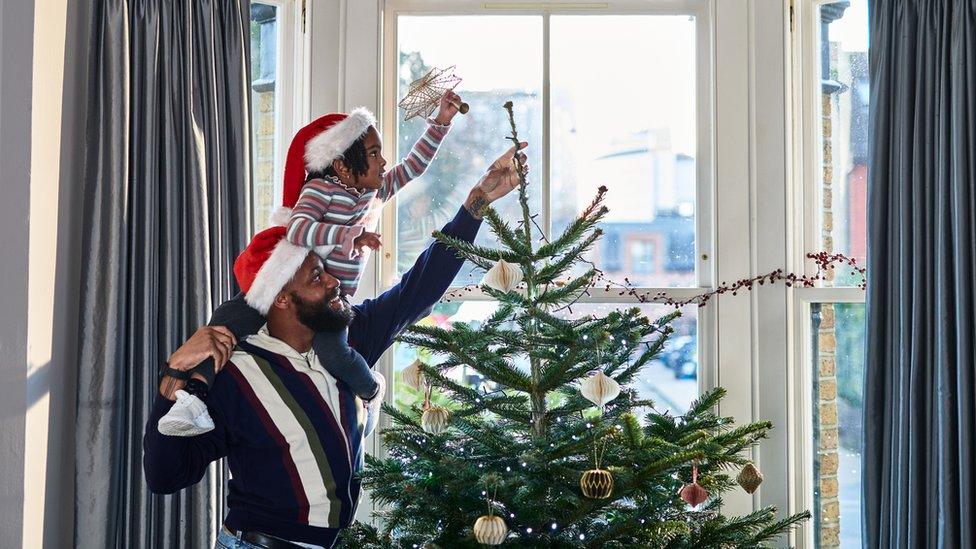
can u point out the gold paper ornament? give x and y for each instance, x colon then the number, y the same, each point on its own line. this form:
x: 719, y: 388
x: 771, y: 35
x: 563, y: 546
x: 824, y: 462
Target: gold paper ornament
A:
x: 750, y: 478
x: 413, y: 376
x: 503, y: 276
x: 600, y: 389
x: 490, y: 530
x: 434, y: 419
x: 596, y: 484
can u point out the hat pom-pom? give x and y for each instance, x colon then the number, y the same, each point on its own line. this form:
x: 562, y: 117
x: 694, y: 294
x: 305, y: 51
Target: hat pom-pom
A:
x: 279, y: 217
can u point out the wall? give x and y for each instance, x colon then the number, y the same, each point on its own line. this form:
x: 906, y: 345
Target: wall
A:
x: 43, y: 56
x: 15, y: 125
x: 58, y: 117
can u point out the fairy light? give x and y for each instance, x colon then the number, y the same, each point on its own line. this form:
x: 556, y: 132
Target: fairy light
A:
x: 554, y: 526
x: 528, y: 530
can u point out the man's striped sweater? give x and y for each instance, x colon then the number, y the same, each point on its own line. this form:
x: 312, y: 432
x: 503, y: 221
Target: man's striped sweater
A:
x: 330, y: 214
x: 291, y: 433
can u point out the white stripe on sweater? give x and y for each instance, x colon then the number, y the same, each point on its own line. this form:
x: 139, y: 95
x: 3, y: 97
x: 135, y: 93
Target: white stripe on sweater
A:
x: 298, y: 446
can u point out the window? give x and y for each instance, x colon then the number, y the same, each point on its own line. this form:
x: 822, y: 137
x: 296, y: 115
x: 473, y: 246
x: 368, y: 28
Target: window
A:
x: 276, y: 73
x: 591, y: 120
x: 837, y: 364
x: 834, y: 99
x: 265, y: 140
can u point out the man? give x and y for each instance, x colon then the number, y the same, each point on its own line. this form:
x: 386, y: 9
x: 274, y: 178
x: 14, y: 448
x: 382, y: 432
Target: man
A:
x: 291, y: 432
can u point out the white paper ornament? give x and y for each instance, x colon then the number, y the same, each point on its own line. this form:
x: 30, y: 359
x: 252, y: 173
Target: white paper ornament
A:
x: 503, y: 276
x: 600, y: 389
x: 490, y: 530
x: 434, y: 419
x: 413, y: 376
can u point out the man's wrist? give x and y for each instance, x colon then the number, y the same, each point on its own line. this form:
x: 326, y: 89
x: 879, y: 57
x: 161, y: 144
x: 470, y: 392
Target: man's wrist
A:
x: 476, y: 204
x: 169, y: 385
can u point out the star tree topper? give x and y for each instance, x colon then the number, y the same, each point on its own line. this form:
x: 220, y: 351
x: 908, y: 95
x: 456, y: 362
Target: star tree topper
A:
x: 426, y: 91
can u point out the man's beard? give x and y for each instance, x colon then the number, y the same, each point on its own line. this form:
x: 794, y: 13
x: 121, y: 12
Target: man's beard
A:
x: 319, y: 317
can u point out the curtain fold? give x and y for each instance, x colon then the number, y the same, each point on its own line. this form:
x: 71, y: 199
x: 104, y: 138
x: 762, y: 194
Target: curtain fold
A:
x: 920, y: 389
x: 168, y: 169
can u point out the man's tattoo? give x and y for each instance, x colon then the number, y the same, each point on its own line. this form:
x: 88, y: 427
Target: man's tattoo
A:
x: 477, y: 207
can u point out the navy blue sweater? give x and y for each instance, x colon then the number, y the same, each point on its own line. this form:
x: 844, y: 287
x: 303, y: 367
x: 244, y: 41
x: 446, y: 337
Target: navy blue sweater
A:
x: 292, y: 433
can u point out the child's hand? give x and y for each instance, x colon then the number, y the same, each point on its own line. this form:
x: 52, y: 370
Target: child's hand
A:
x: 448, y: 108
x: 368, y: 239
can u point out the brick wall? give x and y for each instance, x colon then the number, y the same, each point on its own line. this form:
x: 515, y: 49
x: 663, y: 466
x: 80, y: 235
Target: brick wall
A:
x: 826, y: 413
x: 263, y: 120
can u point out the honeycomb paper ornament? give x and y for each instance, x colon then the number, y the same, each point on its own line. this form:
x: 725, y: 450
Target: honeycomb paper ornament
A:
x: 600, y: 389
x: 749, y: 478
x: 413, y: 376
x: 596, y: 484
x: 693, y: 494
x: 490, y: 530
x: 503, y: 276
x: 434, y: 419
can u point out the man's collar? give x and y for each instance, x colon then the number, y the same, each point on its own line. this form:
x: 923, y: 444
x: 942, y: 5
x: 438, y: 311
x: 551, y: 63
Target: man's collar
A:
x: 265, y: 340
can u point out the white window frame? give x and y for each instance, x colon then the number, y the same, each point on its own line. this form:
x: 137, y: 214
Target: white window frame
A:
x: 747, y: 342
x: 705, y: 179
x: 806, y: 182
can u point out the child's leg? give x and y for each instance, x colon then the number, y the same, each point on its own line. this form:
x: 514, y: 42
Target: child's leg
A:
x: 238, y: 317
x: 344, y: 363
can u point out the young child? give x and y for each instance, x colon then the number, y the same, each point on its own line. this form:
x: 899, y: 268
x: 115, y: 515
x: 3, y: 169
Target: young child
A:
x: 334, y: 187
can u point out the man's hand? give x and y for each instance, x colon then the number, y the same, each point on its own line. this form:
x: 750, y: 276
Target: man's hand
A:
x: 447, y: 108
x: 502, y: 177
x: 209, y: 341
x: 368, y: 239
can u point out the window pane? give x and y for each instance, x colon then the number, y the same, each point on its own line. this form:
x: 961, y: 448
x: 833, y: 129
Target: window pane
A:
x: 670, y: 380
x: 264, y: 138
x: 494, y: 70
x: 838, y: 367
x: 632, y: 127
x: 842, y: 200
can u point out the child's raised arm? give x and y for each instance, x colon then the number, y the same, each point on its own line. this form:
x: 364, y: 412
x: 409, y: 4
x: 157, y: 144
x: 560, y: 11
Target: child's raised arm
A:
x: 423, y: 151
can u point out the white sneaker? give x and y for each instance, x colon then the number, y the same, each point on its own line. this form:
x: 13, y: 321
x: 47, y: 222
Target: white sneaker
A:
x: 187, y: 418
x: 373, y: 405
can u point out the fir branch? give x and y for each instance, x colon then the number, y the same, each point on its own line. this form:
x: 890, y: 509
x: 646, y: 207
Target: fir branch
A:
x: 555, y: 269
x: 482, y: 256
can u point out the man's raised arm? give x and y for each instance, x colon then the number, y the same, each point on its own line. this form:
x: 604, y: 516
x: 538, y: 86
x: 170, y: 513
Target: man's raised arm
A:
x: 378, y: 321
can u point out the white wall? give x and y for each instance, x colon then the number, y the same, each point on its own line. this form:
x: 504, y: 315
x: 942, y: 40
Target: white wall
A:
x: 15, y: 89
x: 60, y: 68
x: 43, y: 56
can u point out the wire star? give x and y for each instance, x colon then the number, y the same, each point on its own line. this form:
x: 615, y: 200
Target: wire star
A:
x: 426, y: 92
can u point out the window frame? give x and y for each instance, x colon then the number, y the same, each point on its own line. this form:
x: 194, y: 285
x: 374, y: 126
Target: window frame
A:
x: 807, y: 153
x: 705, y: 180
x: 746, y: 342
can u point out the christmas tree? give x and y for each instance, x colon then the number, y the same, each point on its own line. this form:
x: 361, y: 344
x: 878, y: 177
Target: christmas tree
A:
x: 554, y: 454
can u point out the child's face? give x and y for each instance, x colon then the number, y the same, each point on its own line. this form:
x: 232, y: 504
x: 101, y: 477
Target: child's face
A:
x: 375, y: 161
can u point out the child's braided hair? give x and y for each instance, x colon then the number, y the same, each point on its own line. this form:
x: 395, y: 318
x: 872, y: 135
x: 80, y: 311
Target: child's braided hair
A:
x: 354, y: 157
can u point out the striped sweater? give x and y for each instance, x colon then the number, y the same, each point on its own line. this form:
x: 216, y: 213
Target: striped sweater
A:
x: 291, y: 433
x: 329, y: 214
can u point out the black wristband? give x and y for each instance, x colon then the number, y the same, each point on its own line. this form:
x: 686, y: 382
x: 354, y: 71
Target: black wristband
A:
x: 181, y: 375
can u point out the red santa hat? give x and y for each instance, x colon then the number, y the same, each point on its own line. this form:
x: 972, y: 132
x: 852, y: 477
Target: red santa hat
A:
x: 314, y: 148
x: 266, y: 266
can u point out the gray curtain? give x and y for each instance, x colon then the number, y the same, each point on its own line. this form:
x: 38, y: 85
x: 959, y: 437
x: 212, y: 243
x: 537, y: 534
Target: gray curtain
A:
x: 168, y: 167
x: 920, y: 391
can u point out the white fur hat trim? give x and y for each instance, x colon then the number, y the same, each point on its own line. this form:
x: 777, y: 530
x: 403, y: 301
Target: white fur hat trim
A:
x: 276, y: 272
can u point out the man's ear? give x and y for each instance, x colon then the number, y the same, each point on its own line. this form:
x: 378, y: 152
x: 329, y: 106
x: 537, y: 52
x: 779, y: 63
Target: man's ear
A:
x: 282, y: 300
